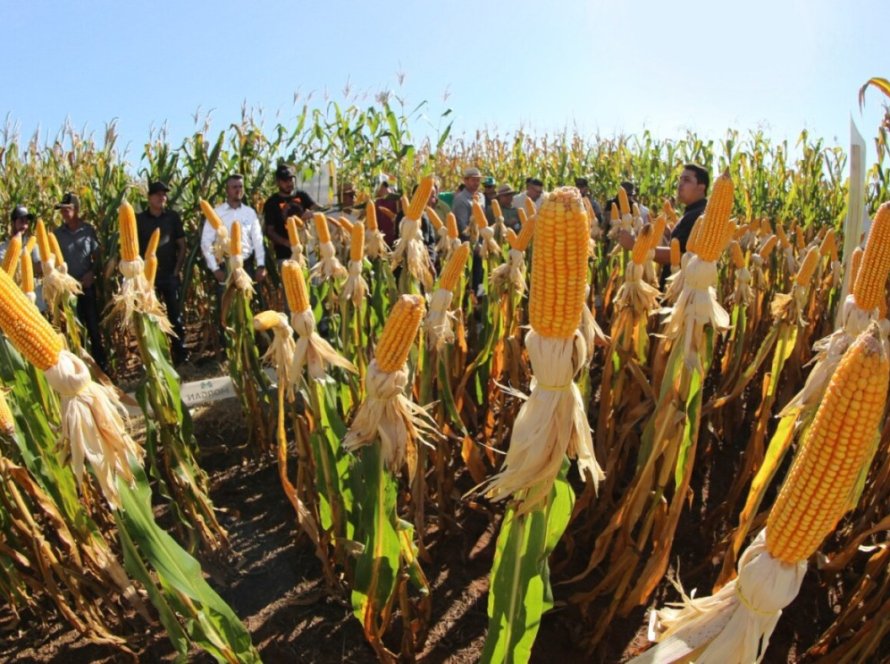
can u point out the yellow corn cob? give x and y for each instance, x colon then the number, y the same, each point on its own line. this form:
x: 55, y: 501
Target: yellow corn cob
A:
x: 837, y: 447
x: 56, y: 249
x: 404, y: 203
x: 738, y: 258
x: 715, y: 222
x: 530, y: 208
x: 25, y: 327
x: 30, y: 244
x: 855, y: 263
x: 129, y: 241
x: 321, y: 227
x: 780, y: 233
x: 754, y: 226
x: 27, y: 273
x: 559, y: 265
x: 525, y: 235
x: 740, y: 231
x: 479, y: 216
x: 266, y: 320
x: 150, y: 269
x: 768, y: 246
x: 675, y: 252
x: 235, y: 239
x: 829, y: 245
x: 357, y: 242
x: 399, y: 333
x: 614, y: 216
x: 420, y: 199
x: 434, y: 218
x: 451, y: 225
x: 870, y: 285
x: 623, y: 202
x: 496, y: 211
x: 13, y: 252
x: 371, y: 216
x: 658, y: 232
x: 694, y: 235
x: 151, y: 248
x: 7, y: 423
x: 210, y: 214
x: 454, y: 268
x: 523, y: 217
x: 293, y: 237
x: 588, y: 208
x: 807, y: 267
x: 800, y: 239
x: 642, y: 244
x: 294, y: 286
x: 669, y: 212
x: 42, y: 241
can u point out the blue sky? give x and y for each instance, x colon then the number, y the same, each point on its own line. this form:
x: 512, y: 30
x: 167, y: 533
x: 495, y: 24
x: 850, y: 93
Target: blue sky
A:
x: 600, y: 66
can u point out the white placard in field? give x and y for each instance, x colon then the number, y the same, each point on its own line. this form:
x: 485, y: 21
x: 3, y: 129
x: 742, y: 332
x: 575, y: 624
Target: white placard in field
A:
x: 207, y: 390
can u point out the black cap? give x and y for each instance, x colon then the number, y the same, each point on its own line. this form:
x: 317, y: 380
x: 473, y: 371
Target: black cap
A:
x: 68, y: 200
x: 283, y: 172
x: 21, y: 211
x: 581, y: 182
x: 157, y: 187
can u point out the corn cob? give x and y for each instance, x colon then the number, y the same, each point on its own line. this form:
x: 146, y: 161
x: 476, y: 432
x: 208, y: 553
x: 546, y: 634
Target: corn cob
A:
x: 675, y: 252
x: 559, y: 265
x: 479, y: 216
x: 807, y: 267
x: 420, y: 199
x: 151, y: 248
x: 496, y: 211
x: 27, y: 273
x: 855, y: 264
x: 26, y: 328
x: 266, y: 320
x: 454, y: 268
x: 740, y: 231
x: 523, y: 217
x: 42, y: 241
x: 694, y: 235
x: 294, y: 286
x: 151, y: 269
x: 623, y: 202
x: 670, y: 213
x: 404, y: 204
x: 293, y: 237
x: 642, y: 244
x: 614, y: 216
x: 800, y: 239
x: 235, y: 239
x: 780, y: 233
x: 658, y: 232
x: 871, y: 281
x: 829, y: 245
x: 768, y: 246
x: 451, y: 226
x: 525, y: 235
x: 7, y: 422
x: 837, y: 446
x: 56, y: 249
x: 371, y: 216
x: 530, y: 208
x: 716, y: 224
x: 738, y: 258
x: 399, y: 333
x: 321, y: 227
x: 210, y: 214
x: 30, y: 244
x: 129, y: 240
x: 434, y: 218
x: 13, y: 252
x: 357, y: 244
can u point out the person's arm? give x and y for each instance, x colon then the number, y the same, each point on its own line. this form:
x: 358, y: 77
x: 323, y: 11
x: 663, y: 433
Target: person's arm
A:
x: 179, y: 238
x: 208, y: 235
x: 259, y: 249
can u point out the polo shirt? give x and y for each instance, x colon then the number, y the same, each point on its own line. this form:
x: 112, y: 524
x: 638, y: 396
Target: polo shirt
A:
x: 78, y: 247
x: 171, y: 229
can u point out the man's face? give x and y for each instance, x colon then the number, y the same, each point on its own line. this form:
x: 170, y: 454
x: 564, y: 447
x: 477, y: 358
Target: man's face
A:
x: 585, y: 190
x: 68, y: 213
x: 234, y: 190
x: 688, y: 188
x: 505, y: 200
x: 534, y: 191
x: 472, y: 183
x: 286, y: 186
x: 158, y: 200
x: 489, y: 191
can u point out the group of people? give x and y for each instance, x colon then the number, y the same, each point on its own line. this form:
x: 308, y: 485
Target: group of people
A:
x: 80, y: 245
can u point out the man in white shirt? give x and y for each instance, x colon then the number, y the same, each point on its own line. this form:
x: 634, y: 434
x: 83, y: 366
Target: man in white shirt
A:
x: 534, y: 191
x: 251, y: 231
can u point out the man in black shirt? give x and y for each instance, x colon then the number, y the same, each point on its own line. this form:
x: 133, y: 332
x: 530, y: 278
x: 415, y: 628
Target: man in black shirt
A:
x: 279, y: 206
x: 692, y: 191
x: 171, y: 257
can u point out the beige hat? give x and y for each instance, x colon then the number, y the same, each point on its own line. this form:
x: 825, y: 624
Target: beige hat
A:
x: 472, y: 172
x: 506, y: 190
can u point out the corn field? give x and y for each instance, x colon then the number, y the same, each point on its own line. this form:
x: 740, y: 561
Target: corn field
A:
x: 618, y: 433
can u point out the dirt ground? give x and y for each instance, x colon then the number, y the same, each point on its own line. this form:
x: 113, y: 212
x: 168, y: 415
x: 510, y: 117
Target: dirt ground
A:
x: 274, y: 583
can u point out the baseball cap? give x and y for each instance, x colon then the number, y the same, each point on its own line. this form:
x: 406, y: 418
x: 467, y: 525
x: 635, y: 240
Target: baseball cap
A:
x: 21, y: 211
x: 283, y: 172
x: 68, y: 200
x: 488, y: 182
x: 157, y: 187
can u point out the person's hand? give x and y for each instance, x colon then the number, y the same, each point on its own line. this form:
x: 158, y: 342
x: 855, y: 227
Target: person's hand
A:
x: 220, y: 275
x: 626, y: 240
x: 87, y: 279
x: 260, y: 274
